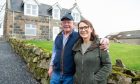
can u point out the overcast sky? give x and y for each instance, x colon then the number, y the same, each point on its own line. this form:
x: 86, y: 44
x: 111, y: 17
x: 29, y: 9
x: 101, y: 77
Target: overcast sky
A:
x: 107, y: 15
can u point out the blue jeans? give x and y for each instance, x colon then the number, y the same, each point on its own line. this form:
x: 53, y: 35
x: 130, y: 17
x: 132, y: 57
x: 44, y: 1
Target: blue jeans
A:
x: 58, y: 78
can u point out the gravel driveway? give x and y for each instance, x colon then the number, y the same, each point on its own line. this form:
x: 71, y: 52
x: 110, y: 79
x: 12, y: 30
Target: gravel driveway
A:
x: 12, y: 67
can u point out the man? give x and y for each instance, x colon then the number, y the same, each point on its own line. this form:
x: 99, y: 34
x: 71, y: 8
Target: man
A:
x: 62, y: 67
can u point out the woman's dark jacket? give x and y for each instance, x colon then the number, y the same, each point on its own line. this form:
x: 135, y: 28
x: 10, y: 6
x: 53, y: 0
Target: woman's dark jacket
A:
x: 92, y: 67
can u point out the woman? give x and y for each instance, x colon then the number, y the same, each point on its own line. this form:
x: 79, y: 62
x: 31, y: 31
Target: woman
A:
x: 92, y: 64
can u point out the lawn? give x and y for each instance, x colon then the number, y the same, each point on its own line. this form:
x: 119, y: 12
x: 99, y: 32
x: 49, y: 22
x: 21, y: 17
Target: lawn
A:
x: 129, y: 54
x: 41, y: 43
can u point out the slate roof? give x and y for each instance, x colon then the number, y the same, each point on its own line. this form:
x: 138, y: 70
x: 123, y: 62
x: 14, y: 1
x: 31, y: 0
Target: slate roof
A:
x: 130, y: 34
x: 135, y: 34
x: 17, y: 6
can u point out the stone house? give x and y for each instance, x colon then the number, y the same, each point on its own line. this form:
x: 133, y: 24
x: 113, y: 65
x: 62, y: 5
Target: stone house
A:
x: 29, y: 19
x: 131, y: 37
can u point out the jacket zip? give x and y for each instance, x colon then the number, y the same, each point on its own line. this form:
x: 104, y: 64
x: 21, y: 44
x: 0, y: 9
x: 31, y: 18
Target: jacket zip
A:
x: 62, y: 61
x: 82, y: 69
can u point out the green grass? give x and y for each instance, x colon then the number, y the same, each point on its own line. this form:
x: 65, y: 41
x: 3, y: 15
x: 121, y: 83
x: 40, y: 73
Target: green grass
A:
x: 129, y: 54
x: 41, y: 44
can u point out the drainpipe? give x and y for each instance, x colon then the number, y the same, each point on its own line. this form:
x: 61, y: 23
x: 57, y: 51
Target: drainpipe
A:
x: 13, y: 25
x: 49, y: 28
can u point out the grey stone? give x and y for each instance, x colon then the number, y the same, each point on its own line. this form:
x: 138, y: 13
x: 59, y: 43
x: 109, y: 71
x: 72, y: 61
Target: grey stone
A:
x: 44, y: 81
x: 119, y: 63
x: 35, y: 59
x: 43, y: 64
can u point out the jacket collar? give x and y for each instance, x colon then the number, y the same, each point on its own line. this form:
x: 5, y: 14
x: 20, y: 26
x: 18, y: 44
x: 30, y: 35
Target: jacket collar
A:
x: 94, y: 44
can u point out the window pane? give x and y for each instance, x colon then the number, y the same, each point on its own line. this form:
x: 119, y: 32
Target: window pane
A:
x: 27, y: 25
x: 28, y: 5
x: 28, y: 11
x: 77, y: 17
x: 56, y: 10
x: 34, y: 6
x: 30, y: 31
x: 34, y: 12
x: 74, y: 16
x: 56, y: 13
x: 33, y: 26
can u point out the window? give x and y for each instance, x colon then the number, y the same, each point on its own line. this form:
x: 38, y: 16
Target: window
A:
x: 56, y: 13
x: 28, y: 9
x: 76, y: 17
x: 30, y: 29
x: 31, y: 10
x: 34, y: 10
x: 128, y: 35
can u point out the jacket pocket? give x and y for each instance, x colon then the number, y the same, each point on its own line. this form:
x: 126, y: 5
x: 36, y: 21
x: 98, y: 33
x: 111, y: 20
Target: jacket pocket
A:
x: 93, y: 79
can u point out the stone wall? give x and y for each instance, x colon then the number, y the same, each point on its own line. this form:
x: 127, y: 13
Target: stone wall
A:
x: 37, y: 59
x: 130, y: 41
x: 38, y: 63
x: 122, y: 75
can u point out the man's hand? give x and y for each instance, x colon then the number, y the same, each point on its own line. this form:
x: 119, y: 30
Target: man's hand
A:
x: 50, y: 71
x: 104, y: 43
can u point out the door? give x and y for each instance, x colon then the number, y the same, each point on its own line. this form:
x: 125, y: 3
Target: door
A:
x: 1, y: 29
x: 56, y: 30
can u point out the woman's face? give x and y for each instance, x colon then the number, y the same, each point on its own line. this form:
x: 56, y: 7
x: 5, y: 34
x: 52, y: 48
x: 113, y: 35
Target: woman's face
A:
x: 84, y: 30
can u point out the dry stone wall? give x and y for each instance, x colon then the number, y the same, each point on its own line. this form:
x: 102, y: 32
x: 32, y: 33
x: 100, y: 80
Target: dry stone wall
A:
x: 37, y: 59
x: 38, y: 64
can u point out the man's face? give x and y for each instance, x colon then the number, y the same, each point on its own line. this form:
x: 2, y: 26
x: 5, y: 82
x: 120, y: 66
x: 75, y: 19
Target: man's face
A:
x: 67, y: 25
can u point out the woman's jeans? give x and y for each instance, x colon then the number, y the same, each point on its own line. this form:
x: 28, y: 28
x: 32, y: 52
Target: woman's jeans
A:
x: 58, y: 78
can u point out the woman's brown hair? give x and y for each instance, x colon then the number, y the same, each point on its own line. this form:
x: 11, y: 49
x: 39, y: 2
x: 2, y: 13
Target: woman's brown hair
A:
x: 93, y: 35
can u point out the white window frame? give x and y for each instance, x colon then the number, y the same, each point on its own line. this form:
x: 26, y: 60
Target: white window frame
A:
x: 31, y: 10
x: 56, y: 15
x: 76, y: 17
x: 30, y: 27
x: 1, y: 29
